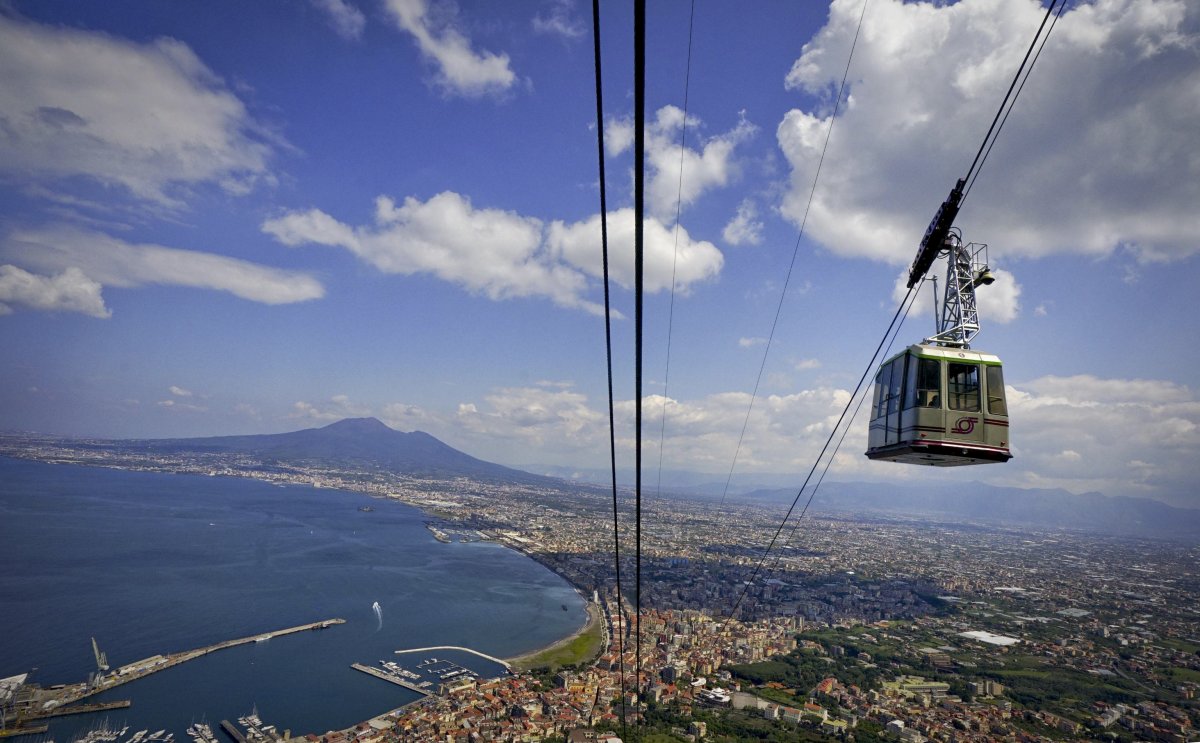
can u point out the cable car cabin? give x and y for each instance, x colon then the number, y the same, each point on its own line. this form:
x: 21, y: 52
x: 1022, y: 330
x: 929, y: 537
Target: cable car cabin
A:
x: 940, y: 406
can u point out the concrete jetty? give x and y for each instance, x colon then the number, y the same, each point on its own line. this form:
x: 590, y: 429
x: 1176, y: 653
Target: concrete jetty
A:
x: 389, y: 677
x: 66, y: 695
x: 233, y: 732
x: 485, y: 656
x: 81, y: 709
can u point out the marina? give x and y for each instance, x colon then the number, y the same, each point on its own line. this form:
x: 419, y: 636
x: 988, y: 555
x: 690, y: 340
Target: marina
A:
x: 391, y: 678
x: 432, y: 676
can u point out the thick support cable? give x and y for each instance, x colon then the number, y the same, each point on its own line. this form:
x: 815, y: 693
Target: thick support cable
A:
x: 850, y: 424
x: 639, y: 197
x: 828, y: 441
x: 1017, y: 95
x: 612, y: 436
x: 1004, y: 103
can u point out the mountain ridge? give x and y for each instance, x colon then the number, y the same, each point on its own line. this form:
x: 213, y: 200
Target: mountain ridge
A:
x: 362, y: 441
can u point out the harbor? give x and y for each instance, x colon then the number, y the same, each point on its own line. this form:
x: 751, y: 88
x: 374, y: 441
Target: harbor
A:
x: 433, y: 676
x: 28, y: 702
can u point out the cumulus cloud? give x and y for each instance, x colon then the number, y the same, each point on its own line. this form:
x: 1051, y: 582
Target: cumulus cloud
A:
x: 108, y: 261
x: 1099, y: 154
x: 711, y: 166
x: 68, y: 291
x: 745, y: 228
x: 347, y: 20
x: 461, y: 70
x: 579, y: 244
x: 180, y: 391
x: 1118, y: 436
x: 565, y: 427
x: 337, y: 408
x: 536, y: 417
x: 495, y: 253
x: 559, y: 20
x: 998, y: 302
x: 148, y: 117
x: 502, y: 254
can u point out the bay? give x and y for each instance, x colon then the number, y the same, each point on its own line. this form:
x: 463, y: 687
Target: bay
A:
x: 152, y: 563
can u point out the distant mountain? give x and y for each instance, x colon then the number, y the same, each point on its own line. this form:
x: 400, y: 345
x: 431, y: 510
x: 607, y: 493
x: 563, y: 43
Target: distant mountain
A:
x: 1054, y: 509
x: 364, y: 442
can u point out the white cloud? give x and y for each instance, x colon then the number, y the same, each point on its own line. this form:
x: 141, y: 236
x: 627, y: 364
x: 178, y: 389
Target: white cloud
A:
x: 694, y: 261
x: 487, y: 251
x: 745, y: 228
x: 461, y: 70
x: 712, y: 166
x: 177, y: 405
x: 337, y: 408
x: 536, y: 417
x: 113, y: 262
x: 751, y: 342
x: 180, y: 391
x: 998, y: 302
x: 1118, y: 436
x: 559, y: 21
x: 347, y: 20
x: 1099, y: 154
x: 1082, y: 433
x: 151, y: 118
x: 501, y: 254
x: 69, y: 291
x: 807, y: 364
x: 618, y: 136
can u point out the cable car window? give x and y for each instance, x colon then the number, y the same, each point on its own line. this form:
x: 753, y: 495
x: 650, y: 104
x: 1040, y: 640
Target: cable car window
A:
x: 897, y: 381
x: 885, y: 382
x: 963, y: 386
x: 995, y: 391
x: 929, y: 383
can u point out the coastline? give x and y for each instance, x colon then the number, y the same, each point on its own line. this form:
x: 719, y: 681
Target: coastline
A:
x: 595, y: 618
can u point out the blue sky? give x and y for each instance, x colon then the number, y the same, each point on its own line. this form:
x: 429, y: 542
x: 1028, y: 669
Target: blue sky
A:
x: 256, y: 217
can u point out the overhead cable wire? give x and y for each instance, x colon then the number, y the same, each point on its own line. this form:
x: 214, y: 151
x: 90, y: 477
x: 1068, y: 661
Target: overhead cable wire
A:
x: 862, y: 398
x: 687, y: 79
x: 795, y: 252
x: 845, y: 430
x: 984, y: 148
x: 639, y: 198
x: 1004, y: 104
x: 820, y: 455
x: 1016, y: 96
x: 612, y: 436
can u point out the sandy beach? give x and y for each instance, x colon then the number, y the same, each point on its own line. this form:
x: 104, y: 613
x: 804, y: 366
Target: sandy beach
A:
x: 595, y: 617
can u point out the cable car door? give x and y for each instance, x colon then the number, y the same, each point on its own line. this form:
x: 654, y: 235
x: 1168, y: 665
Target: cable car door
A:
x: 964, y: 416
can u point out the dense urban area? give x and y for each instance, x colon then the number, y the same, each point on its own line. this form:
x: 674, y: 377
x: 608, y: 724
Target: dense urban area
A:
x: 864, y: 629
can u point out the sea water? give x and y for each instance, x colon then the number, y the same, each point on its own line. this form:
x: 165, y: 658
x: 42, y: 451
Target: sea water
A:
x: 151, y: 563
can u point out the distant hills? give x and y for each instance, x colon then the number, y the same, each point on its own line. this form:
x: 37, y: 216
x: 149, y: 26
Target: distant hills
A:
x: 362, y: 442
x: 367, y: 444
x: 964, y: 502
x: 1001, y: 506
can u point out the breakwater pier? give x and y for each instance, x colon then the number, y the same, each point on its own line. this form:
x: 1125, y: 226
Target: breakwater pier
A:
x: 30, y: 701
x: 390, y: 677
